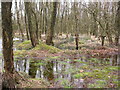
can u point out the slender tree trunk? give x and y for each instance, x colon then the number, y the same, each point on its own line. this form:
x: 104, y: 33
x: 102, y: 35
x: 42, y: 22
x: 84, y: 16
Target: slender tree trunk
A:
x: 41, y: 16
x: 77, y: 41
x: 45, y: 18
x: 43, y: 23
x: 76, y: 27
x: 117, y: 25
x: 65, y: 26
x: 40, y: 19
x: 33, y: 38
x: 18, y: 22
x: 109, y: 34
x: 19, y: 26
x: 50, y: 32
x: 36, y: 23
x: 26, y: 26
x: 102, y: 40
x: 76, y: 34
x: 109, y: 38
x: 8, y: 76
x: 62, y: 22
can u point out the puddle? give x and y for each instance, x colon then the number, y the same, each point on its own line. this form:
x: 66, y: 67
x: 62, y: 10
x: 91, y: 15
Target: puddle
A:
x: 58, y: 73
x: 53, y: 71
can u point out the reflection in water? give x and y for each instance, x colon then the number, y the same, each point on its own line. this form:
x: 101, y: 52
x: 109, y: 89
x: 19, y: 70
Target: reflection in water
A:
x: 114, y: 60
x: 56, y: 71
x: 48, y: 71
x: 33, y: 69
x: 22, y: 66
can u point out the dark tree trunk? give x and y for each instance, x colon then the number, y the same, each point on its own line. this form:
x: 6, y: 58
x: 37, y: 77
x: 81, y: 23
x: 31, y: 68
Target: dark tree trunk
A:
x: 36, y: 23
x: 77, y: 41
x: 26, y: 26
x: 62, y: 22
x: 48, y: 72
x: 33, y: 69
x: 117, y: 25
x: 102, y: 40
x: 110, y: 39
x: 109, y: 34
x: 8, y: 76
x: 76, y: 27
x: 50, y: 32
x: 77, y: 35
x: 45, y: 19
x: 95, y: 26
x: 41, y: 16
x: 33, y: 38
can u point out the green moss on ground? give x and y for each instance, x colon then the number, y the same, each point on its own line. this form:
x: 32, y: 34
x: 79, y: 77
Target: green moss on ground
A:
x: 26, y: 45
x: 98, y: 84
x: 19, y: 54
x: 43, y: 46
x: 25, y: 48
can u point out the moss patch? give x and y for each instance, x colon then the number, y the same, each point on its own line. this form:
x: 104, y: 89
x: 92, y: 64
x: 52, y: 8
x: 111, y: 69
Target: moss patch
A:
x: 20, y: 54
x: 26, y: 45
x: 98, y: 84
x: 25, y: 48
x: 43, y: 46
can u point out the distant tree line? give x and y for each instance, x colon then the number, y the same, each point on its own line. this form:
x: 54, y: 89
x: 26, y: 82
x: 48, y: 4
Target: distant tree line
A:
x: 32, y: 19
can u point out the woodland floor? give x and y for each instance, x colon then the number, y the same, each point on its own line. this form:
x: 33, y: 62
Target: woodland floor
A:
x: 88, y: 64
